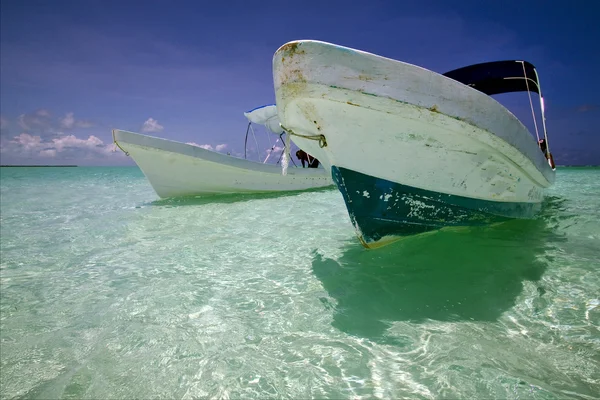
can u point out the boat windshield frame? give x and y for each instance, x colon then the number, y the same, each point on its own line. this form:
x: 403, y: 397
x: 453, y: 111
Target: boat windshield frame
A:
x: 499, y: 77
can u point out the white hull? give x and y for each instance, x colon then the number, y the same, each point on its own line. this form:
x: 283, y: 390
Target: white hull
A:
x: 405, y: 124
x: 177, y: 169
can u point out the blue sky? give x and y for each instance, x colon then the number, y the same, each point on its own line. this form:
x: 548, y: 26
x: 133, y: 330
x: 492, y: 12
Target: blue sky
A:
x: 187, y: 70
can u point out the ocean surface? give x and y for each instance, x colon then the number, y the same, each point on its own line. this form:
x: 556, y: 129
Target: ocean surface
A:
x: 108, y: 292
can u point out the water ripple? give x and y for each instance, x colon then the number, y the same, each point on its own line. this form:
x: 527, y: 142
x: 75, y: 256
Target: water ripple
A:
x: 109, y: 293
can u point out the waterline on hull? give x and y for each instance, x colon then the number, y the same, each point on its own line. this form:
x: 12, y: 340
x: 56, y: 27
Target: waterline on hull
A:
x: 383, y: 211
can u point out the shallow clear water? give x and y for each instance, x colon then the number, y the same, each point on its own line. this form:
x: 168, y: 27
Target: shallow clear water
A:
x: 107, y: 292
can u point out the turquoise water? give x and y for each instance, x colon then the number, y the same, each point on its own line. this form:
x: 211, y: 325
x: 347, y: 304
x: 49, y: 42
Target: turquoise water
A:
x: 108, y: 292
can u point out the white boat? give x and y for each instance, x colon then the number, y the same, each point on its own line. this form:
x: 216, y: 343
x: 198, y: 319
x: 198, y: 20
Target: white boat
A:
x: 412, y: 150
x: 177, y: 169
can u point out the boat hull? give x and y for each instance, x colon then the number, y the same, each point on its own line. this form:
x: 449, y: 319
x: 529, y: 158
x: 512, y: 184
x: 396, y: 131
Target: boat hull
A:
x: 399, y: 123
x: 383, y: 211
x: 177, y: 169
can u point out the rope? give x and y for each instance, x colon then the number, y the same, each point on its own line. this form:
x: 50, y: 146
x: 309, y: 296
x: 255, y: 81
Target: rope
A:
x: 117, y: 143
x: 531, y: 103
x: 320, y: 138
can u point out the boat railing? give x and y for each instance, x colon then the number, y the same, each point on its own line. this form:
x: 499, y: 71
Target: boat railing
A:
x: 250, y: 128
x: 499, y: 77
x: 548, y: 153
x: 545, y: 142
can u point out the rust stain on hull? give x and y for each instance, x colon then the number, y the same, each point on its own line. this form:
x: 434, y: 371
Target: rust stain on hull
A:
x: 295, y: 75
x: 290, y: 49
x: 290, y: 71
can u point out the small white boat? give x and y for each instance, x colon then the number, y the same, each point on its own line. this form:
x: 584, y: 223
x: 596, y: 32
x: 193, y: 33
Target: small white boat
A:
x: 412, y: 150
x: 177, y: 169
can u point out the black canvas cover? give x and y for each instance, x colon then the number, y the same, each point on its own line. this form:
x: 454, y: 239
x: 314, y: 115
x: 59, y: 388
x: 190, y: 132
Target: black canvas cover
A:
x: 497, y: 77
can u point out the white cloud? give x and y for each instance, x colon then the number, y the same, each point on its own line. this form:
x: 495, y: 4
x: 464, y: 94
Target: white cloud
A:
x: 42, y: 112
x: 204, y: 146
x: 68, y: 121
x: 28, y: 142
x: 38, y: 120
x: 71, y: 141
x: 84, y: 124
x: 43, y: 137
x: 152, y: 125
x: 21, y: 121
x: 275, y: 150
x: 41, y: 120
x: 219, y: 147
x: 48, y: 153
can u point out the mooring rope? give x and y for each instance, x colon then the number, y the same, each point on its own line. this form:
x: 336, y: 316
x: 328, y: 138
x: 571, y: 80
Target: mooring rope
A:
x: 286, y: 155
x: 320, y: 138
x: 117, y: 143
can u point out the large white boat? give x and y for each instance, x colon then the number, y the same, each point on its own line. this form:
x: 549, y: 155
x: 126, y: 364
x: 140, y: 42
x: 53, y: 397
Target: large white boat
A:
x: 412, y: 150
x: 177, y: 169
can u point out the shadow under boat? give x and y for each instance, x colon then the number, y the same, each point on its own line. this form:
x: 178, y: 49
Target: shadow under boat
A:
x: 230, y: 197
x: 474, y: 274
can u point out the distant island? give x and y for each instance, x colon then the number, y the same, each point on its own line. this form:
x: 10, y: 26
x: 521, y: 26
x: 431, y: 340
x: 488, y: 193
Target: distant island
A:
x: 56, y: 166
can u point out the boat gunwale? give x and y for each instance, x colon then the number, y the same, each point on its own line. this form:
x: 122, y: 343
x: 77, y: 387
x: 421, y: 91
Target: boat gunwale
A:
x: 189, y: 150
x: 314, y: 52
